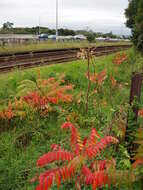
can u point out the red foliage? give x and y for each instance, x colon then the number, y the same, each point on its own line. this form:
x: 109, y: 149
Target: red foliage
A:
x: 120, y: 58
x: 8, y: 113
x: 55, y: 95
x: 47, y: 178
x: 98, y: 78
x: 41, y: 95
x: 96, y: 179
x: 137, y: 162
x: 93, y: 138
x: 52, y: 100
x: 96, y: 175
x: 46, y: 81
x: 76, y: 143
x: 140, y: 112
x: 94, y: 150
x: 54, y: 156
x: 92, y: 77
x: 35, y: 100
x: 55, y: 147
x: 113, y: 81
x: 101, y: 77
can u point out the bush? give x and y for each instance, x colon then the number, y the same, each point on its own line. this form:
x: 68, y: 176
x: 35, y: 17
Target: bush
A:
x: 91, y: 38
x: 82, y: 164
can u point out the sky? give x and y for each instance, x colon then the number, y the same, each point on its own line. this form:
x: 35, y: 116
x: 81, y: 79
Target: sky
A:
x: 96, y: 15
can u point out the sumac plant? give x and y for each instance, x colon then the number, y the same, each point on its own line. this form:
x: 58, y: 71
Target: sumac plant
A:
x: 7, y: 113
x: 97, y: 78
x: 120, y: 58
x: 79, y: 164
x: 40, y: 92
x: 39, y: 95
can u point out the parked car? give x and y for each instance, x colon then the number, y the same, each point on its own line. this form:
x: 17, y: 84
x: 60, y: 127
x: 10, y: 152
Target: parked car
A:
x: 52, y: 37
x: 80, y: 37
x: 43, y: 37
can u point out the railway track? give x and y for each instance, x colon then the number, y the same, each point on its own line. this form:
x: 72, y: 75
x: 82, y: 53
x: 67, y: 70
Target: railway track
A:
x: 10, y: 61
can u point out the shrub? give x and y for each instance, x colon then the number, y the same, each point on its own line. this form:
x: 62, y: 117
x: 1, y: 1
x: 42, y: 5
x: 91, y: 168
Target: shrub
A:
x: 38, y: 95
x: 80, y: 163
x: 91, y: 38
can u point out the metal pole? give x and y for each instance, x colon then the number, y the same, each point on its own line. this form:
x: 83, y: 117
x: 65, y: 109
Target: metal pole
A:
x: 39, y: 26
x: 56, y: 19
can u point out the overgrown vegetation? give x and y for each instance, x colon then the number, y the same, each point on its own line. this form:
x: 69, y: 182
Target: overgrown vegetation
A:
x: 34, y: 104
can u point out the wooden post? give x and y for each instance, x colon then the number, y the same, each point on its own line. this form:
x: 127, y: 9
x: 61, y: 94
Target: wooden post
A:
x: 135, y: 92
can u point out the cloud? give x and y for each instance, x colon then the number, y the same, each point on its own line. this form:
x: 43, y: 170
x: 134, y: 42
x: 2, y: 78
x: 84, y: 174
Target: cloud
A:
x: 96, y: 14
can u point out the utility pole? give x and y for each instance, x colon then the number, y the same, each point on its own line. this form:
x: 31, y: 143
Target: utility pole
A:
x: 56, y: 19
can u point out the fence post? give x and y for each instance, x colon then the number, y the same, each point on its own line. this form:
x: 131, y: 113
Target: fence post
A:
x: 136, y: 85
x: 135, y: 92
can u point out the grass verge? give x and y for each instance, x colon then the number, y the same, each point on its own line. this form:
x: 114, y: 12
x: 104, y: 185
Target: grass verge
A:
x: 24, y: 141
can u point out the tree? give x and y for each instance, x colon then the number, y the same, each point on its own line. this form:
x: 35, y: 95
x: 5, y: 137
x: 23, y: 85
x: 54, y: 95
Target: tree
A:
x: 131, y: 12
x: 7, y: 25
x: 134, y: 14
x: 139, y: 26
x: 91, y: 37
x: 66, y: 32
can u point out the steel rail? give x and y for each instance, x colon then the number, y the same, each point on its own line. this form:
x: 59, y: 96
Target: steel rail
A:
x: 20, y: 60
